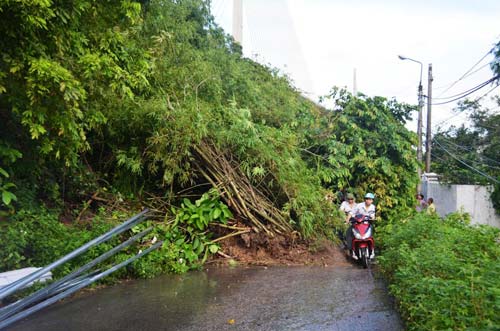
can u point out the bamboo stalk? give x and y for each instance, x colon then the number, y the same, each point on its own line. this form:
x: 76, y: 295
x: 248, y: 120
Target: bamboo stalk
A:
x: 224, y: 255
x: 228, y: 226
x: 229, y: 236
x: 239, y: 193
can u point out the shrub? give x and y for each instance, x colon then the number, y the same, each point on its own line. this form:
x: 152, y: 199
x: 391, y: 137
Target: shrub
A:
x: 445, y: 274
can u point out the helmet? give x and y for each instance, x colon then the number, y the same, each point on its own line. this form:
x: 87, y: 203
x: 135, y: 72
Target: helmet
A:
x: 350, y: 196
x: 369, y: 196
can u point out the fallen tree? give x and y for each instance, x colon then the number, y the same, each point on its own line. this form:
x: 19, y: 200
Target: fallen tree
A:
x: 236, y: 190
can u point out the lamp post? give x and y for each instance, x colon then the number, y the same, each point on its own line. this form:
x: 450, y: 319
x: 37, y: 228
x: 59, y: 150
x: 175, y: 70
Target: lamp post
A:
x: 419, y: 121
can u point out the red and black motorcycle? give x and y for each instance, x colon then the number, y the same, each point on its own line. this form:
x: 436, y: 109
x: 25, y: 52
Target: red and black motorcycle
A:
x: 363, y: 245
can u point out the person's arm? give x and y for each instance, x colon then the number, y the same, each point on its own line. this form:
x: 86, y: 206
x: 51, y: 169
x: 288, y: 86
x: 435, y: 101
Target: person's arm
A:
x: 371, y: 212
x: 342, y: 207
x: 354, y: 211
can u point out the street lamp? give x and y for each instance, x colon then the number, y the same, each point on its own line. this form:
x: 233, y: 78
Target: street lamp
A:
x: 419, y: 122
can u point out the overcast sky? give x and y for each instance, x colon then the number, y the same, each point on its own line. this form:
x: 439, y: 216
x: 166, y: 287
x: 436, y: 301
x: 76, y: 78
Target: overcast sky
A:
x: 318, y: 43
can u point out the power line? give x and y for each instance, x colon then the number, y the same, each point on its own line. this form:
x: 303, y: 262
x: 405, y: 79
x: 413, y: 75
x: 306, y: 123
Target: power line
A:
x: 494, y: 87
x: 473, y: 161
x: 470, y: 74
x: 469, y: 92
x: 463, y: 112
x: 470, y: 149
x: 467, y: 165
x: 467, y: 73
x: 481, y: 67
x: 434, y: 156
x: 461, y: 93
x: 477, y: 162
x: 447, y: 119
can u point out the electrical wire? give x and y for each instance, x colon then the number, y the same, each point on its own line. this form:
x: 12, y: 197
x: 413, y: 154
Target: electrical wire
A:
x: 447, y: 119
x: 467, y: 165
x: 463, y: 112
x: 478, y: 162
x: 448, y: 141
x: 481, y: 67
x: 468, y: 72
x: 470, y: 91
x: 461, y: 93
x: 494, y: 87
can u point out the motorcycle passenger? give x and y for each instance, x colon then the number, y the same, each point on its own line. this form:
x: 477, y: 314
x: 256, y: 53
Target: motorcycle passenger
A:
x: 366, y: 208
x: 347, y: 206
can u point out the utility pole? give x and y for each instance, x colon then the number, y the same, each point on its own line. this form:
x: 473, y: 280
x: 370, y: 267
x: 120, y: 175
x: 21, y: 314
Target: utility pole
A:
x: 238, y: 21
x: 428, y: 141
x: 419, y: 134
x: 419, y: 121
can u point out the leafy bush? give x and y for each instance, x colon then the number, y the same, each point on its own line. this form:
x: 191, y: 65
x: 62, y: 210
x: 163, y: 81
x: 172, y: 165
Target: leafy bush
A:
x: 188, y: 242
x: 36, y: 238
x: 444, y: 274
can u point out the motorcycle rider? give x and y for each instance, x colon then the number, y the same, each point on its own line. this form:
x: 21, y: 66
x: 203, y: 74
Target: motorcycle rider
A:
x: 348, y: 205
x: 366, y: 208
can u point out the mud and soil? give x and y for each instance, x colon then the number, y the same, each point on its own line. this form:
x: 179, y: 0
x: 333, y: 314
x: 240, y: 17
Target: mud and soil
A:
x: 257, y: 249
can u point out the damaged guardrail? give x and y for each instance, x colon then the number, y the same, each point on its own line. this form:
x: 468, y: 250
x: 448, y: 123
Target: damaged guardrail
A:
x: 74, y: 281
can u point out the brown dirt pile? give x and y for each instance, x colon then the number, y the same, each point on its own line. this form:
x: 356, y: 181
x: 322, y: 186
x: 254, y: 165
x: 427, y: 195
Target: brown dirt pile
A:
x: 258, y: 249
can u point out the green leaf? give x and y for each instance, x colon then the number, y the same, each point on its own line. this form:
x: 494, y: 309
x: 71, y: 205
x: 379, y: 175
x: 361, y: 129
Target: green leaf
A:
x: 4, y: 173
x: 213, y: 248
x: 199, y: 224
x: 7, y: 197
x: 196, y: 243
x: 200, y: 249
x: 217, y: 213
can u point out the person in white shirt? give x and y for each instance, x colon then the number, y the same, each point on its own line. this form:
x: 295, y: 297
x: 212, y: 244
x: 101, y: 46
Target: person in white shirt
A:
x: 348, y: 205
x: 366, y: 208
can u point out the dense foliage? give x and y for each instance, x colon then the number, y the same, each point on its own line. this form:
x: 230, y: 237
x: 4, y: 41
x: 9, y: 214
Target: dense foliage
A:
x: 39, y: 238
x: 118, y: 96
x: 470, y: 154
x: 361, y: 145
x: 444, y: 274
x: 113, y: 98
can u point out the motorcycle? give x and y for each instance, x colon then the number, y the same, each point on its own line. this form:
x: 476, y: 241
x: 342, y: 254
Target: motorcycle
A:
x: 363, y: 244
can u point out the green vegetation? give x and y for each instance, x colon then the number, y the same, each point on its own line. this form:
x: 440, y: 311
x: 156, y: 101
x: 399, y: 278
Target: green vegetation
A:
x: 471, y: 154
x: 109, y: 106
x: 116, y: 104
x: 38, y: 238
x: 444, y: 274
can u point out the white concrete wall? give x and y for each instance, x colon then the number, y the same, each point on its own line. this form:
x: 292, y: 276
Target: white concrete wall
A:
x: 473, y: 199
x: 11, y: 276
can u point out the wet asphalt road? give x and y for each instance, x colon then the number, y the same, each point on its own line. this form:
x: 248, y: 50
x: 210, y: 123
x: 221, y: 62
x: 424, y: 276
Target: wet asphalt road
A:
x: 344, y: 297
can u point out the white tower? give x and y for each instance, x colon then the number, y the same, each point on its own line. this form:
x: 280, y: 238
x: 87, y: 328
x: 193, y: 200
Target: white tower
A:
x: 238, y: 21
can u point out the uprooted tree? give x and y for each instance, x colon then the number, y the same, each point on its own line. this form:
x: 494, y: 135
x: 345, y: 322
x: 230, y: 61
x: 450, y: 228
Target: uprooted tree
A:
x: 152, y: 100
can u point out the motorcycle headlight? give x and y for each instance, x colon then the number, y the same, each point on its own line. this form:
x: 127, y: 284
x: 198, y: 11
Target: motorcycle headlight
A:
x: 357, y: 235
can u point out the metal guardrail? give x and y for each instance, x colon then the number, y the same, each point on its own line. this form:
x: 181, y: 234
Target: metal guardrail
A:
x: 73, y: 281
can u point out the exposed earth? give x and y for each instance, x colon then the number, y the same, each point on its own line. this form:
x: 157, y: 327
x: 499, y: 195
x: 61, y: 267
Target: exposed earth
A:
x: 252, y: 249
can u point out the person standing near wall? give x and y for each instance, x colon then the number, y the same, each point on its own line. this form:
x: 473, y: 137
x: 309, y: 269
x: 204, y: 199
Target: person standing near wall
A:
x: 431, y: 207
x: 421, y: 204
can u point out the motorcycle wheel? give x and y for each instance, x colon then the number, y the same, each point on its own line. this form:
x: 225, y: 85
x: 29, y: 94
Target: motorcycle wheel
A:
x: 365, y: 257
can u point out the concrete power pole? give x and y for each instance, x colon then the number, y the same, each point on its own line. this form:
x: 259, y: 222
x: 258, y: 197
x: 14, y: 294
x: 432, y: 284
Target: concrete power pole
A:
x: 419, y: 134
x: 428, y: 138
x: 238, y: 21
